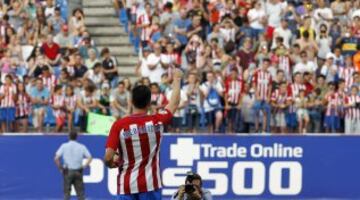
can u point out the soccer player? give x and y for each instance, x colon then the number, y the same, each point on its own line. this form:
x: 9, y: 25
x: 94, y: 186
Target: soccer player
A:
x: 137, y: 140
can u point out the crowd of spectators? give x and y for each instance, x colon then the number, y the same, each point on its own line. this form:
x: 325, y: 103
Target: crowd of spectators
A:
x: 279, y: 66
x: 52, y: 73
x: 250, y: 65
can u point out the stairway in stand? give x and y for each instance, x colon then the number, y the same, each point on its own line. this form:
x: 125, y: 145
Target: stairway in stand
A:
x: 106, y: 31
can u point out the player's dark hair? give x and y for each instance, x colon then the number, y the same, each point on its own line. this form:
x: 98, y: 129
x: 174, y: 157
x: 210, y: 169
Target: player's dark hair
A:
x: 73, y: 135
x: 141, y: 96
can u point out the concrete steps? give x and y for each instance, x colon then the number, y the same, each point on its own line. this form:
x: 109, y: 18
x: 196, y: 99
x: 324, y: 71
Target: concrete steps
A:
x: 97, y: 3
x: 102, y: 21
x: 116, y: 41
x: 114, y: 31
x: 106, y: 31
x: 99, y: 12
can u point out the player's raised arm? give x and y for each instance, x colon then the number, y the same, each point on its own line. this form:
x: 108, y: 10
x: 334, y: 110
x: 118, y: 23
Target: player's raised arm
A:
x: 175, y: 96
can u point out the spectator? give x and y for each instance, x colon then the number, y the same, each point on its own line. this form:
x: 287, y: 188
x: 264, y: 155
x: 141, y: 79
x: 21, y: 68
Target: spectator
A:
x: 8, y: 93
x: 64, y: 39
x: 120, y: 101
x: 110, y: 66
x: 77, y: 22
x: 79, y: 69
x: 56, y: 20
x: 51, y: 50
x: 87, y: 102
x: 70, y: 106
x: 263, y: 81
x: 212, y: 90
x: 158, y: 99
x: 40, y: 96
x: 92, y: 60
x: 181, y: 26
x: 143, y: 23
x: 193, y: 108
x: 232, y: 96
x: 301, y: 103
x: 332, y: 112
x: 58, y: 106
x: 280, y: 103
x: 86, y: 45
x: 352, y: 112
x: 257, y: 18
x: 96, y: 75
x: 23, y: 105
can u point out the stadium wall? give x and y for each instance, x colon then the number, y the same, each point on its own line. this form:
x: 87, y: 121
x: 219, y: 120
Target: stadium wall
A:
x: 233, y: 167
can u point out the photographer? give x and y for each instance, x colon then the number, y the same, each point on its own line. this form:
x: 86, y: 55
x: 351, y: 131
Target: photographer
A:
x: 192, y: 190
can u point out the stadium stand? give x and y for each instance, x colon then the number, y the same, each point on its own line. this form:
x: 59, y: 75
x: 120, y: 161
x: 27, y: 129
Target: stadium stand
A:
x: 270, y: 66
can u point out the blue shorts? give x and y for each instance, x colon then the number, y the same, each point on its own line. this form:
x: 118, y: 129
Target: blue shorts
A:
x: 153, y: 195
x: 291, y: 119
x: 332, y: 122
x: 7, y: 114
x: 262, y: 105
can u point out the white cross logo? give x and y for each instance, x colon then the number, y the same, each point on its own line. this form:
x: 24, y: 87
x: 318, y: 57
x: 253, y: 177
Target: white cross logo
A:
x: 185, y: 151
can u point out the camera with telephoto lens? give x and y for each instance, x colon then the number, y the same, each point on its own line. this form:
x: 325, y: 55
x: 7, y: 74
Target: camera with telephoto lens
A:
x: 189, y: 186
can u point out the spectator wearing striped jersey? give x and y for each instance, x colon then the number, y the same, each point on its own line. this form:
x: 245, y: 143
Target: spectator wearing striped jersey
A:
x: 332, y: 111
x: 158, y: 99
x: 7, y: 104
x: 301, y: 103
x: 143, y: 23
x: 294, y: 90
x: 58, y: 105
x: 352, y: 112
x: 279, y: 102
x: 263, y: 81
x: 70, y: 106
x: 346, y: 72
x: 232, y: 96
x: 23, y: 108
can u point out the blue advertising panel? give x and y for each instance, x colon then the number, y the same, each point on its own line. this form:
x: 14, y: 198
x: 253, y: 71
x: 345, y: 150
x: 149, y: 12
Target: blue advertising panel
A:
x: 232, y: 167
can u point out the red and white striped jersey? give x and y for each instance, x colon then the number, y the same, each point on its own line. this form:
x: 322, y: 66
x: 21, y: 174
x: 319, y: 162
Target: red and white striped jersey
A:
x: 49, y: 82
x: 263, y: 82
x: 70, y: 102
x: 9, y: 94
x: 160, y: 99
x: 58, y: 100
x: 279, y: 98
x: 23, y: 105
x: 294, y: 89
x: 233, y: 90
x: 144, y: 19
x: 333, y: 105
x: 285, y: 65
x: 137, y: 138
x: 352, y: 112
x: 346, y: 73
